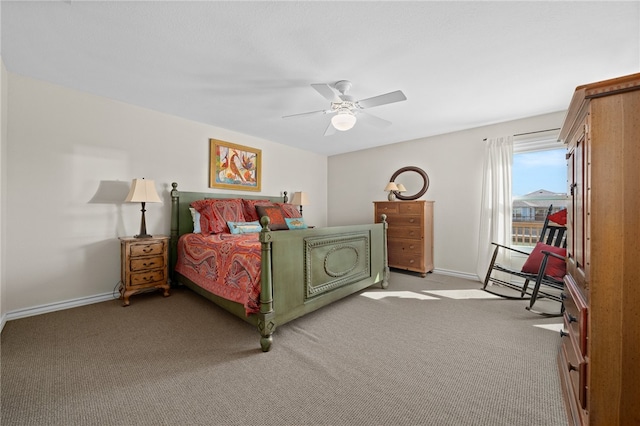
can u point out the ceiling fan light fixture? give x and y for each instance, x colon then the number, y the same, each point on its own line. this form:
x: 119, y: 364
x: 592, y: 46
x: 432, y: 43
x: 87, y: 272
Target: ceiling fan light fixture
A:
x: 343, y: 120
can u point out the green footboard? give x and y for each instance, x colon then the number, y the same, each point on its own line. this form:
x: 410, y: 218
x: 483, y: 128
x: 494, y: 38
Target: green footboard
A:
x: 302, y: 270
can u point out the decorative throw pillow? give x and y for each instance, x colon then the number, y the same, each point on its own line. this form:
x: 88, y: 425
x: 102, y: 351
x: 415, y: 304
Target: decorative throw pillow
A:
x: 289, y: 210
x: 215, y: 213
x: 249, y: 208
x: 295, y: 223
x: 559, y: 217
x: 276, y: 216
x: 195, y: 216
x: 244, y: 227
x: 556, y: 268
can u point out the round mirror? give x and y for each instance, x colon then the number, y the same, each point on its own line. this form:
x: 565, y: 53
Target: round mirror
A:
x: 414, y: 179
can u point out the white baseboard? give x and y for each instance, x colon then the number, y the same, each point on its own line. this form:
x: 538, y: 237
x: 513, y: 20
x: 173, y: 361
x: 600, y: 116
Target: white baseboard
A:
x: 57, y: 306
x: 465, y: 275
x: 74, y: 303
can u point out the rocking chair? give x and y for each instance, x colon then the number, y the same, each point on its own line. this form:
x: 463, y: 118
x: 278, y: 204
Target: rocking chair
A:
x: 545, y: 266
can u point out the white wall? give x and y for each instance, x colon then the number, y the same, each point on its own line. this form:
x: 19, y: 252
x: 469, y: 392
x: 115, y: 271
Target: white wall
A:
x: 63, y: 146
x: 3, y: 183
x: 454, y: 164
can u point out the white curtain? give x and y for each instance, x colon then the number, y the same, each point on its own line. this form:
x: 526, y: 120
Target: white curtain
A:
x: 495, y: 215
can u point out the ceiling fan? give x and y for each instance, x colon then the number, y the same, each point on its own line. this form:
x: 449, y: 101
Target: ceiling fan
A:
x: 345, y: 108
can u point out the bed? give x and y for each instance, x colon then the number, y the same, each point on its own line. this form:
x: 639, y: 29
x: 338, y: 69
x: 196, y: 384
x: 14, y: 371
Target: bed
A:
x: 298, y: 270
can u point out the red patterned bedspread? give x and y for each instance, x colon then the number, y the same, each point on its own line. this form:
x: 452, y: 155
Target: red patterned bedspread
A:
x: 223, y: 264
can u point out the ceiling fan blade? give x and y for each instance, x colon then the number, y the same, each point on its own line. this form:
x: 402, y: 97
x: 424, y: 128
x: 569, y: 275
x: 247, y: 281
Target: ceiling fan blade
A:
x: 305, y: 113
x: 330, y: 130
x: 387, y: 98
x: 326, y: 92
x: 373, y: 120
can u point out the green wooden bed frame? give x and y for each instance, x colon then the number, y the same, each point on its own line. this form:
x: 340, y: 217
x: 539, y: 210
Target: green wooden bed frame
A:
x: 302, y: 270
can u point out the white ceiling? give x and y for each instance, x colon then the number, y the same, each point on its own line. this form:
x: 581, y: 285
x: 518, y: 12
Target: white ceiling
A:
x: 243, y: 65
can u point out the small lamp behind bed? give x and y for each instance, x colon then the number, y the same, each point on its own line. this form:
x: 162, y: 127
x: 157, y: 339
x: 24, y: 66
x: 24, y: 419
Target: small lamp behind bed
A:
x: 300, y: 199
x: 143, y: 191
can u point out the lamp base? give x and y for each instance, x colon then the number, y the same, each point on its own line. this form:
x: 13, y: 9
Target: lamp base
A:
x: 392, y: 196
x: 143, y: 236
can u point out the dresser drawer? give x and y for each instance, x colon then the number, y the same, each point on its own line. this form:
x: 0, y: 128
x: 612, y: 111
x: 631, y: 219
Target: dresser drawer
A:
x: 405, y: 220
x: 406, y: 246
x: 146, y: 263
x: 411, y: 208
x: 145, y: 278
x: 403, y: 260
x: 386, y: 208
x: 405, y: 232
x: 146, y: 249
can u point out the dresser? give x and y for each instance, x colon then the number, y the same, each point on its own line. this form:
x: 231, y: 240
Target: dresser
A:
x: 409, y: 233
x: 599, y: 356
x: 144, y: 265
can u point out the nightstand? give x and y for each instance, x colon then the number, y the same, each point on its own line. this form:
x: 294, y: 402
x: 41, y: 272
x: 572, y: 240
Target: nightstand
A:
x: 144, y: 265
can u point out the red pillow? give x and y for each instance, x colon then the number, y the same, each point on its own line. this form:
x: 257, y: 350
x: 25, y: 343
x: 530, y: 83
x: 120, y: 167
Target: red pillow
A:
x: 249, y: 208
x: 290, y: 210
x: 215, y: 213
x: 556, y: 268
x: 276, y: 216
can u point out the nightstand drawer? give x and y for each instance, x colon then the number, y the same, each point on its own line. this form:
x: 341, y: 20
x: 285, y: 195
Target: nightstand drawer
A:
x: 144, y: 278
x: 146, y: 249
x: 146, y: 263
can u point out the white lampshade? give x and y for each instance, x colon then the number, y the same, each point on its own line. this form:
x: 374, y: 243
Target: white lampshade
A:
x: 343, y: 120
x: 401, y: 188
x: 300, y: 199
x: 391, y: 186
x: 143, y: 191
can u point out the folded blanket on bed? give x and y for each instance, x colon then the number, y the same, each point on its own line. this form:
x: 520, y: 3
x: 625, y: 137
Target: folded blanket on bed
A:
x: 223, y: 264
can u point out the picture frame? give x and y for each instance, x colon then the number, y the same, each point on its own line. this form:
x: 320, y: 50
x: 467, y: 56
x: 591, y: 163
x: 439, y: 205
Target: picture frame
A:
x: 233, y: 166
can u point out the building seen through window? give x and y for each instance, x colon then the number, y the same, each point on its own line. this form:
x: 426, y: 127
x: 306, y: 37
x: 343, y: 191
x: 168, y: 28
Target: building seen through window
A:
x: 539, y: 180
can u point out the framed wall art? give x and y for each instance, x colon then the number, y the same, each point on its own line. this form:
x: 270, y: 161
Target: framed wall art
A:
x: 233, y: 166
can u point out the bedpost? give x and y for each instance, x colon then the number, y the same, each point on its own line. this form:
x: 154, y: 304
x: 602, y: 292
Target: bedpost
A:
x: 266, y: 325
x: 385, y: 278
x: 173, y: 241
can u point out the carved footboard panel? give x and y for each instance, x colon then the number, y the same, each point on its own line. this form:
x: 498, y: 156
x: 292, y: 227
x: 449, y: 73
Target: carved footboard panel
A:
x: 334, y: 261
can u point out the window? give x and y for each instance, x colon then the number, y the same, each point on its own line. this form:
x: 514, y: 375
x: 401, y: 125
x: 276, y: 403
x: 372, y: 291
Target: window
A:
x: 539, y: 179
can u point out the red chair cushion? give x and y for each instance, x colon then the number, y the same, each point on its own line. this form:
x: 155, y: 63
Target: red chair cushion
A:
x: 556, y: 268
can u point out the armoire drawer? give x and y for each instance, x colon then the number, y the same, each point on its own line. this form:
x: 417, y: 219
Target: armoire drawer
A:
x: 575, y: 314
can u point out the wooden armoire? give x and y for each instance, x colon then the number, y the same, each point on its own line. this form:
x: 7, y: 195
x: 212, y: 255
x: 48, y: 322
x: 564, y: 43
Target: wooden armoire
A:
x: 599, y: 357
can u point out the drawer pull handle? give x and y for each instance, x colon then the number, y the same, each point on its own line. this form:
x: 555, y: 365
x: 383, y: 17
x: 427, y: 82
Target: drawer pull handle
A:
x: 563, y: 333
x: 572, y: 367
x: 411, y: 220
x: 563, y: 296
x: 572, y: 318
x: 411, y: 261
x: 147, y: 249
x: 149, y: 264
